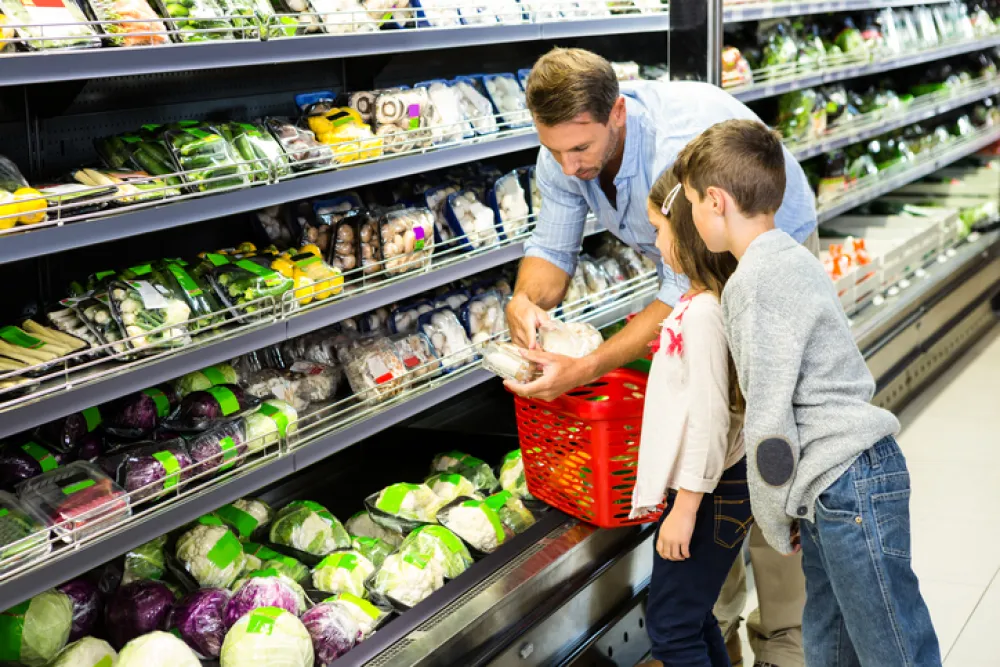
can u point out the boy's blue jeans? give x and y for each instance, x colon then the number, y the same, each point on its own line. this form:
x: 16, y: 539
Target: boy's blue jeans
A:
x: 679, y: 619
x: 863, y: 603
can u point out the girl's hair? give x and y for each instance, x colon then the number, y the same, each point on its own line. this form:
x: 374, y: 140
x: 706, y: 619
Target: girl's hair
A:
x: 696, y: 261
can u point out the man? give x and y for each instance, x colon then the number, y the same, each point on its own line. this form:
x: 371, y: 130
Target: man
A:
x: 602, y: 148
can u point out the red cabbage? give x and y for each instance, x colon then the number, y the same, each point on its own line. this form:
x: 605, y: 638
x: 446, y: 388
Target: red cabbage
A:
x: 91, y: 446
x: 25, y: 460
x: 136, y: 415
x: 201, y: 410
x: 86, y: 601
x: 65, y: 434
x: 265, y: 588
x: 137, y: 608
x: 164, y: 465
x: 333, y: 629
x: 217, y: 448
x: 198, y: 619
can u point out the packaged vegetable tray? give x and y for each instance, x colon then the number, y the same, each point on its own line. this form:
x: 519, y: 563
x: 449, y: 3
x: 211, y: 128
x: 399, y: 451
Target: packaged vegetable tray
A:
x: 405, y: 580
x: 152, y: 312
x: 150, y: 470
x: 220, y: 448
x: 441, y: 546
x: 24, y: 537
x: 475, y: 104
x: 77, y: 500
x: 417, y: 354
x: 407, y: 240
x: 471, y: 220
x: 510, y: 204
x: 451, y: 124
x: 58, y: 24
x: 505, y: 360
x: 451, y: 342
x: 331, y: 230
x: 137, y: 18
x: 374, y: 371
x: 206, y: 159
x: 243, y: 283
x: 255, y: 145
x: 508, y: 99
x: 483, y: 316
x: 147, y: 153
x: 475, y: 470
x: 209, y: 408
x: 196, y: 20
x: 304, y: 151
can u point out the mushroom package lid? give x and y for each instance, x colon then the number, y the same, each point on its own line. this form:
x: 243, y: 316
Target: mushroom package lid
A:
x: 472, y: 219
x: 453, y: 125
x: 448, y: 336
x: 407, y: 238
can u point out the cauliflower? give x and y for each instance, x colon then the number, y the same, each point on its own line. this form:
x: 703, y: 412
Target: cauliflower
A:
x: 212, y: 555
x: 412, y: 502
x: 475, y: 470
x: 246, y: 516
x: 309, y: 527
x: 177, y: 312
x: 343, y: 572
x: 368, y: 616
x: 476, y: 523
x: 512, y: 475
x: 440, y: 545
x: 512, y: 512
x: 449, y: 486
x: 361, y: 525
x: 408, y: 578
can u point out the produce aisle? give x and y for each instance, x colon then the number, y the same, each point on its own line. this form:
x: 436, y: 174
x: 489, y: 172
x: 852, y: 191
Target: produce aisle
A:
x: 261, y: 251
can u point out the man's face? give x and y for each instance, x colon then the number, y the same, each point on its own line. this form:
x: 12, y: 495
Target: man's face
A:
x: 582, y: 146
x: 710, y: 224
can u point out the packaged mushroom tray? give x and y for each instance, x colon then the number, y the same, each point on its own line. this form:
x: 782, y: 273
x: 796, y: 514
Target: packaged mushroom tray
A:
x: 471, y: 219
x: 452, y: 124
x: 508, y: 98
x: 335, y: 230
x: 401, y: 118
x: 475, y: 104
x: 407, y: 240
x: 374, y: 370
x: 510, y: 203
x: 483, y: 316
x: 449, y: 338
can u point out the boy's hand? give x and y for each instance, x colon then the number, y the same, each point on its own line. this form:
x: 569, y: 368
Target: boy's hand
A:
x: 674, y: 539
x: 795, y: 538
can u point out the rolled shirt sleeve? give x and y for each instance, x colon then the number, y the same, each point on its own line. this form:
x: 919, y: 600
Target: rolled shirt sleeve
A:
x: 558, y: 235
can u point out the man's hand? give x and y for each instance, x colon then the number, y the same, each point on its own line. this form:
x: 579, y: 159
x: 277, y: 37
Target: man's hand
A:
x: 559, y: 374
x: 795, y: 537
x: 525, y: 319
x: 674, y: 539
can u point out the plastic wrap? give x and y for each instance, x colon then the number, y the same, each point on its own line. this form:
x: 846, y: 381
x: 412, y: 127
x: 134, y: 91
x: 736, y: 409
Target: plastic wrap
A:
x: 24, y: 537
x: 405, y: 580
x: 451, y: 124
x: 274, y: 420
x: 196, y: 20
x: 436, y: 13
x: 402, y: 119
x: 505, y: 360
x: 150, y: 470
x: 510, y: 204
x: 219, y: 448
x: 343, y: 572
x: 375, y: 372
x: 403, y: 319
x: 512, y: 477
x: 474, y: 469
x: 39, y: 25
x: 309, y: 527
x: 372, y: 548
x: 135, y: 609
x: 369, y: 243
x: 483, y: 317
x: 476, y: 523
x: 453, y: 300
x: 449, y: 485
x: 471, y: 219
x: 36, y: 630
x: 362, y: 525
x: 211, y: 554
x: 368, y: 615
x: 572, y: 339
x: 402, y: 507
x: 136, y: 17
x: 157, y: 649
x: 508, y: 98
x: 416, y: 353
x: 77, y: 499
x: 512, y: 512
x: 255, y: 145
x: 475, y: 105
x: 437, y: 201
x: 349, y: 138
x: 247, y: 285
x: 333, y: 629
x: 301, y: 146
x: 137, y: 415
x: 407, y: 240
x: 441, y: 546
x: 146, y: 561
x: 206, y: 158
x: 268, y: 636
x: 450, y: 341
x: 208, y: 408
x: 596, y: 281
x: 205, y: 378
x: 23, y: 460
x: 152, y: 313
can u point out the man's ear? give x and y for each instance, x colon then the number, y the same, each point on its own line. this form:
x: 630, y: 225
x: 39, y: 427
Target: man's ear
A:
x: 618, y: 112
x: 718, y: 198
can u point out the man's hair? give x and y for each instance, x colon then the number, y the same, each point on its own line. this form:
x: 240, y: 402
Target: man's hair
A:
x: 565, y: 83
x: 742, y: 157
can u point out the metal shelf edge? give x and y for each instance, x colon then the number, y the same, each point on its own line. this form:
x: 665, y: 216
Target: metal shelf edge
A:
x: 737, y: 13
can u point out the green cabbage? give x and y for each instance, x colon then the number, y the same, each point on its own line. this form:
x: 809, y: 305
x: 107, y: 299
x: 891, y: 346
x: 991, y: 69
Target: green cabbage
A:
x: 450, y: 485
x: 275, y: 419
x: 269, y: 637
x: 343, y: 572
x: 512, y: 512
x: 440, y: 545
x: 309, y: 527
x: 157, y: 649
x: 33, y: 632
x: 146, y: 561
x: 86, y: 652
x: 205, y: 378
x: 512, y: 475
x: 212, y: 554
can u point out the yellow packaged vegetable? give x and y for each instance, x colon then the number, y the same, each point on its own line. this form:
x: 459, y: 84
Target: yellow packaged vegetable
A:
x: 327, y: 280
x: 350, y: 138
x: 31, y: 205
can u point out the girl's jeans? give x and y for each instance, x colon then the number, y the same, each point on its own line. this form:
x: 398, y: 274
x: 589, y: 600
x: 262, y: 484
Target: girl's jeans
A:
x: 863, y: 603
x: 683, y: 631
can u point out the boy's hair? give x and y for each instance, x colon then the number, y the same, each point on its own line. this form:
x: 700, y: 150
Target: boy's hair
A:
x: 742, y: 157
x: 695, y: 260
x: 565, y: 83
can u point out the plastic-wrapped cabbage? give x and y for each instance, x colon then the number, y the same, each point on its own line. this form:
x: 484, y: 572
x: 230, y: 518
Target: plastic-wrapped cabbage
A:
x: 136, y: 609
x: 157, y: 649
x: 290, y: 567
x: 212, y: 555
x: 476, y: 523
x: 333, y: 629
x: 87, y: 606
x: 275, y: 419
x: 205, y: 378
x: 264, y: 588
x: 146, y: 561
x: 198, y: 619
x: 343, y: 572
x: 512, y: 475
x: 33, y: 632
x: 246, y: 516
x: 442, y: 546
x: 268, y: 636
x: 220, y: 448
x: 86, y: 652
x: 475, y: 470
x: 361, y: 525
x: 450, y: 485
x: 309, y: 527
x: 512, y: 512
x: 406, y: 579
x: 402, y: 507
x: 372, y: 548
x: 368, y: 616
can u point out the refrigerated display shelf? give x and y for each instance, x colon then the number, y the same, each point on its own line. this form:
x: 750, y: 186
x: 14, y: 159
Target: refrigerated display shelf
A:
x: 862, y: 128
x: 299, y: 451
x: 737, y: 12
x: 22, y: 242
x: 770, y: 88
x: 67, y: 65
x: 870, y: 188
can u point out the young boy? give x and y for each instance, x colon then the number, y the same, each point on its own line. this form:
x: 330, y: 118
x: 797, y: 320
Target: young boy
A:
x: 823, y: 465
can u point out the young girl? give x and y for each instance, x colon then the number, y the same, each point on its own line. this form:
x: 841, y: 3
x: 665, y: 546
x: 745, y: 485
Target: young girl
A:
x: 692, y: 448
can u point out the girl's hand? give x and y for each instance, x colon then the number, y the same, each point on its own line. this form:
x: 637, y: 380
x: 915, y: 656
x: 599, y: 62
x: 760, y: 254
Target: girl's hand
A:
x: 674, y: 539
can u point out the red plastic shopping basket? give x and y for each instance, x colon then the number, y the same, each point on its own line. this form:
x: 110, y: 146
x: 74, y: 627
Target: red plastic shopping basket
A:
x: 581, y: 450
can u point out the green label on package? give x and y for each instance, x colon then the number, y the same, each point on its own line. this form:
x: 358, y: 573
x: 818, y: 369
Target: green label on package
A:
x: 346, y: 561
x: 15, y: 336
x: 210, y: 520
x: 11, y: 629
x: 260, y: 551
x: 392, y: 498
x: 214, y: 375
x: 201, y: 134
x: 185, y: 280
x: 131, y: 138
x: 42, y: 455
x: 244, y: 523
x: 171, y: 466
x: 226, y: 550
x: 262, y: 620
x: 92, y: 417
x: 216, y: 259
x: 161, y: 400
x: 226, y: 398
x: 269, y: 572
x: 229, y: 453
x: 417, y: 560
x: 365, y: 606
x: 498, y: 500
x: 307, y: 259
x: 491, y: 516
x: 512, y: 456
x: 323, y: 512
x: 277, y: 416
x: 448, y: 538
x: 79, y: 486
x: 142, y: 269
x: 106, y: 660
x: 100, y: 275
x: 4, y: 512
x: 255, y: 268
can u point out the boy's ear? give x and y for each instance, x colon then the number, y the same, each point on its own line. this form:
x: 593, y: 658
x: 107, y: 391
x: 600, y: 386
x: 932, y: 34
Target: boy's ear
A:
x: 717, y: 196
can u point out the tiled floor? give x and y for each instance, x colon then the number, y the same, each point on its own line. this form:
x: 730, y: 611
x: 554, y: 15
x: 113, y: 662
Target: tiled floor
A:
x: 951, y: 437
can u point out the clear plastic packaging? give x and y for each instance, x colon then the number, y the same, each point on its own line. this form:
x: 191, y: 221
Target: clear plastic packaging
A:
x: 476, y: 523
x: 515, y: 517
x: 403, y: 119
x: 404, y: 580
x: 475, y: 105
x: 450, y: 485
x: 512, y: 477
x: 403, y: 319
x: 576, y: 297
x: 448, y: 337
x: 402, y: 507
x: 150, y: 470
x: 510, y: 203
x: 470, y: 219
x: 596, y: 280
x: 137, y: 17
x: 407, y: 240
x: 368, y: 615
x: 77, y: 500
x: 301, y: 146
x: 220, y: 448
x: 369, y: 243
x: 362, y: 525
x: 436, y: 13
x: 152, y: 314
x: 572, y: 339
x: 474, y: 469
x: 343, y: 572
x: 374, y: 371
x: 452, y: 125
x: 196, y: 20
x: 437, y: 200
x: 372, y: 548
x: 505, y: 360
x: 417, y: 354
x: 613, y: 270
x: 453, y: 299
x: 626, y: 71
x: 248, y: 285
x: 24, y: 537
x: 349, y: 138
x: 508, y: 98
x: 483, y: 317
x: 207, y: 160
x: 211, y: 407
x: 255, y: 146
x: 440, y: 545
x: 55, y: 25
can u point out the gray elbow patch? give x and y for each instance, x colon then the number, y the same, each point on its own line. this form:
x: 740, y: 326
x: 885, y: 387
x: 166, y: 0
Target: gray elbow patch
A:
x: 775, y: 461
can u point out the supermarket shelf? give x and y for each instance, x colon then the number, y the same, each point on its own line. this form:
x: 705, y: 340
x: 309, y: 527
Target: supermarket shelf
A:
x: 756, y: 91
x: 57, y: 238
x: 755, y: 11
x: 917, y: 111
x: 859, y: 195
x: 29, y: 68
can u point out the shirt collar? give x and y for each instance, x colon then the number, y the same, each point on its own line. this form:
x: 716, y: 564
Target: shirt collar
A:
x: 633, y: 141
